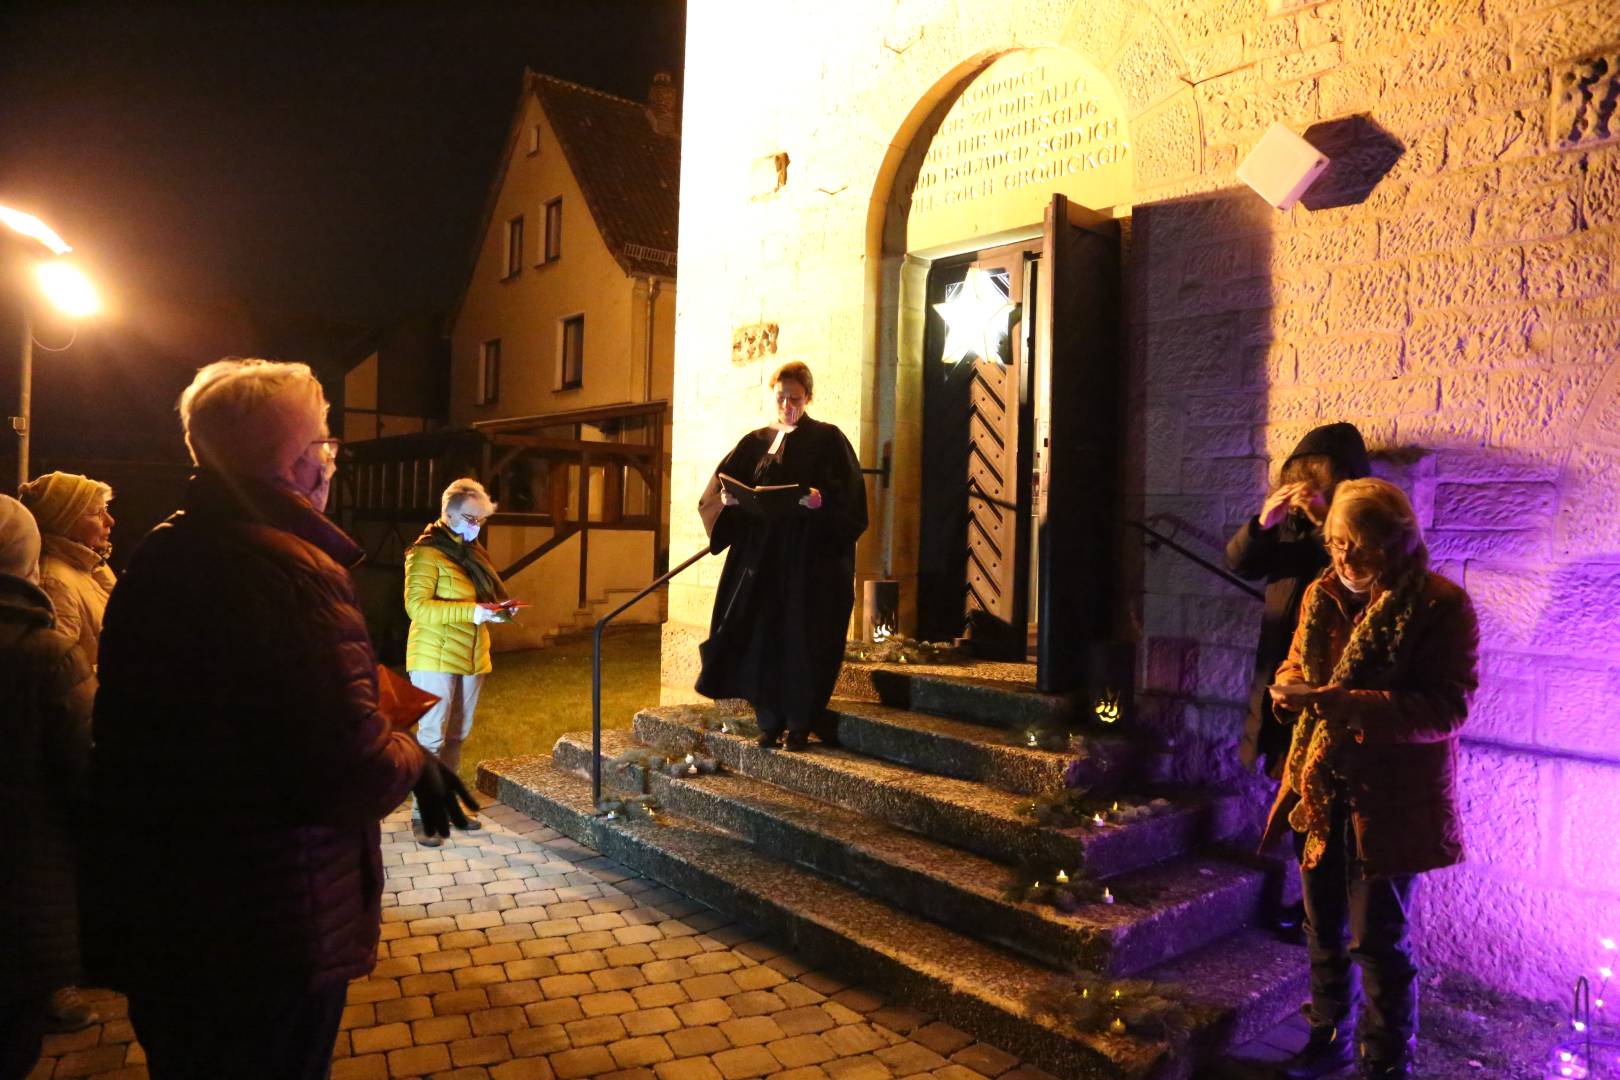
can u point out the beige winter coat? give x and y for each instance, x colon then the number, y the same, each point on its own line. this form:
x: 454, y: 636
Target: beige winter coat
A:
x: 78, y: 581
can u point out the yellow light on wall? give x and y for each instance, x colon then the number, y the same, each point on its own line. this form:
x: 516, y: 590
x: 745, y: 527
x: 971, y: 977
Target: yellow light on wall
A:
x: 65, y: 286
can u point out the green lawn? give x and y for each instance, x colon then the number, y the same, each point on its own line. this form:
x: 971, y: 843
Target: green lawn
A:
x: 536, y: 695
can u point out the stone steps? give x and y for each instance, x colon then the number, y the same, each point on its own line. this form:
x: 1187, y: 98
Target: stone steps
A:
x: 967, y: 751
x: 961, y: 813
x: 1235, y: 988
x: 1007, y: 701
x: 1161, y: 912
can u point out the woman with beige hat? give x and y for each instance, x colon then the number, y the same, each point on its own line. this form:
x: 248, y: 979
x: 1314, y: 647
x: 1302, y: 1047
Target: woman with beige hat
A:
x: 75, y: 533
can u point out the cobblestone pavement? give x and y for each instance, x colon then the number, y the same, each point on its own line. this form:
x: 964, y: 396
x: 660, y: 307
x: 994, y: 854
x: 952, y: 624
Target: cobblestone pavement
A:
x: 513, y: 953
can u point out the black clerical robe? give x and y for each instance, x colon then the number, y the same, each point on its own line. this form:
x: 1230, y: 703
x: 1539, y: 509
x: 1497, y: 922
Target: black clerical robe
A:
x: 782, y: 608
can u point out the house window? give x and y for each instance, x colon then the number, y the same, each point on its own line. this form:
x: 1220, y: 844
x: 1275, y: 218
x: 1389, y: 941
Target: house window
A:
x: 553, y: 249
x: 514, y: 246
x: 489, y: 372
x: 572, y: 376
x: 534, y: 139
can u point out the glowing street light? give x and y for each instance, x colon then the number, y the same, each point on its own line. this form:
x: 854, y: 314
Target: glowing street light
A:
x: 66, y: 287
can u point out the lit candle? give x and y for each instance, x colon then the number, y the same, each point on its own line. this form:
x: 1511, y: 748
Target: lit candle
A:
x: 1062, y: 878
x: 1097, y: 819
x: 1107, y: 897
x: 1116, y: 807
x: 724, y: 729
x: 689, y: 759
x: 1117, y: 1027
x: 691, y: 770
x: 1033, y: 741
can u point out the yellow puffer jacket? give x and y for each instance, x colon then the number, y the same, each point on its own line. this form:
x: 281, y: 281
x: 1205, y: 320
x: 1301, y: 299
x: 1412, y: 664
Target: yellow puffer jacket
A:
x: 439, y: 598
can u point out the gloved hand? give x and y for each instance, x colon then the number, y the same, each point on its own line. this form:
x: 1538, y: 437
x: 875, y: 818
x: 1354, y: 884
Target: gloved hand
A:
x: 482, y: 614
x: 439, y: 795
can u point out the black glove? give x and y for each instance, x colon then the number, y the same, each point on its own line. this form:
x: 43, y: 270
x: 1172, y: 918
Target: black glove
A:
x: 439, y: 794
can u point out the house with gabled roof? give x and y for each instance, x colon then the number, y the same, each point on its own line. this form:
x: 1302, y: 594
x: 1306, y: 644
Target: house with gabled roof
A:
x: 561, y: 352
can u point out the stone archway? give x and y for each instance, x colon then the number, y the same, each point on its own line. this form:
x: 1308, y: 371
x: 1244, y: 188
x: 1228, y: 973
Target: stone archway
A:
x: 1137, y: 135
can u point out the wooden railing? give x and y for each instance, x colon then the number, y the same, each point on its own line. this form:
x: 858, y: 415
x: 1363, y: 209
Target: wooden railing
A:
x: 572, y: 472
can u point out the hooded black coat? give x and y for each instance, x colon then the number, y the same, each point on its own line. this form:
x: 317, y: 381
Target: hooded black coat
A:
x: 782, y: 608
x: 47, y: 688
x: 1288, y: 557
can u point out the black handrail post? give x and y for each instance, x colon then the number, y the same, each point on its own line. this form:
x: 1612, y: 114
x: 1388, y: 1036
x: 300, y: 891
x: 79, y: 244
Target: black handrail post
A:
x: 596, y: 672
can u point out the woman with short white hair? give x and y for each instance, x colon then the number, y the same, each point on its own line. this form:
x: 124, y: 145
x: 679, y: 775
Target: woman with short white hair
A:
x: 451, y: 591
x: 75, y: 529
x: 242, y: 763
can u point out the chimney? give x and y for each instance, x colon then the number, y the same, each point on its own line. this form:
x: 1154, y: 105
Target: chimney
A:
x: 663, y: 105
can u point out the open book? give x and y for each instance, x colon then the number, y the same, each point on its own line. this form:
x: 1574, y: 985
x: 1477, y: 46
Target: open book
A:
x: 769, y: 500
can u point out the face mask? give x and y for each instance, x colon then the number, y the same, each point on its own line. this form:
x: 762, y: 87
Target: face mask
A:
x: 313, y: 480
x: 466, y: 531
x: 1358, y: 588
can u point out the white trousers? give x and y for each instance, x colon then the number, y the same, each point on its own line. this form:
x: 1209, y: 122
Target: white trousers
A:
x: 443, y: 727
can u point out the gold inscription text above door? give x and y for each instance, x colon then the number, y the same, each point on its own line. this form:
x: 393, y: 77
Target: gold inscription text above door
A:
x: 1032, y: 123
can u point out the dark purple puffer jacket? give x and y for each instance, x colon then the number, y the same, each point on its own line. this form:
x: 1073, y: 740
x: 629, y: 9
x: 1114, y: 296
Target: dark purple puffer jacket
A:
x: 240, y: 764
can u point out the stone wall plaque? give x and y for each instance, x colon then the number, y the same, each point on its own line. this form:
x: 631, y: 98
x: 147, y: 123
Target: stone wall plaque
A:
x: 753, y: 342
x: 1033, y: 123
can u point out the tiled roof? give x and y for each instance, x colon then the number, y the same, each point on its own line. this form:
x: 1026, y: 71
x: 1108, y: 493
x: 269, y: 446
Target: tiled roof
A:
x: 629, y: 173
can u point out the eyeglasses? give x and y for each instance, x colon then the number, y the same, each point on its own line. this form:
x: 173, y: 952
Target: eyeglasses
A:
x: 472, y: 519
x: 1344, y: 548
x: 328, y: 448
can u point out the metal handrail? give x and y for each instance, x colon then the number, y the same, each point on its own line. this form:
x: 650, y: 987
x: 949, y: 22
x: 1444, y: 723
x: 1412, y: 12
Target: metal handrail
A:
x: 1220, y: 572
x: 596, y: 671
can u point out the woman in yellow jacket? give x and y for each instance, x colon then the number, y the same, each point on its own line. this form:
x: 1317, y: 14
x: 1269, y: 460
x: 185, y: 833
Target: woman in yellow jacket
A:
x: 451, y: 591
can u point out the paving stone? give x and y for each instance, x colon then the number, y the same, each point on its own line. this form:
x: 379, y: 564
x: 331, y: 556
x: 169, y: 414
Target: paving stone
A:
x: 624, y: 955
x: 640, y: 1051
x: 446, y: 960
x: 380, y: 1039
x: 370, y: 1067
x: 806, y: 1020
x: 581, y: 962
x: 413, y: 946
x: 984, y: 1059
x: 942, y: 1038
x: 687, y: 1069
x: 496, y: 954
x: 851, y: 1039
x: 746, y: 1061
x: 755, y: 1002
x: 479, y: 975
x: 910, y: 1057
x: 89, y: 1061
x: 649, y: 997
x: 715, y: 962
x: 557, y: 986
x: 619, y: 978
x: 532, y: 1041
x: 372, y: 990
x: 408, y: 1008
x: 498, y: 1021
x: 553, y: 1012
x: 710, y: 1011
x: 480, y: 1050
x: 614, y: 1001
x: 899, y: 1018
x: 440, y: 1029
x: 651, y: 1021
x: 535, y: 967
x: 514, y: 993
x: 693, y: 1041
x: 574, y: 1064
x: 460, y: 1001
x: 353, y: 1016
x: 418, y: 1060
x: 751, y: 1030
x: 863, y: 1067
x: 524, y: 1069
x: 597, y: 1030
x: 801, y: 1050
x: 862, y: 1001
x: 673, y: 948
x: 663, y: 971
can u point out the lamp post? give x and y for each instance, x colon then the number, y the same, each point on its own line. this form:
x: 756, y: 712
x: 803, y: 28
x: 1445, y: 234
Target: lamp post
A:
x: 65, y: 286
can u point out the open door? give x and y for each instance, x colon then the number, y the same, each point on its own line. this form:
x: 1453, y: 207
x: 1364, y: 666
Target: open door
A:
x: 1078, y: 449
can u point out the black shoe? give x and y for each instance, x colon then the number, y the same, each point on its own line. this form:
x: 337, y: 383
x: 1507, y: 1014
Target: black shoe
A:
x: 1288, y: 922
x: 1328, y: 1051
x: 797, y: 742
x: 422, y: 838
x: 1389, y: 1065
x: 769, y: 740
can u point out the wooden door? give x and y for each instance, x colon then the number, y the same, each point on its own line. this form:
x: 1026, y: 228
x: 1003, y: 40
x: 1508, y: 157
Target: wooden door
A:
x: 973, y: 554
x: 1079, y: 451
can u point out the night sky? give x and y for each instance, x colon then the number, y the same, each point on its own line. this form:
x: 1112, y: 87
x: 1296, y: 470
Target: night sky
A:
x: 322, y: 160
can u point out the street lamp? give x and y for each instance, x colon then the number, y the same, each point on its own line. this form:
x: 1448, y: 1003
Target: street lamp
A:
x: 66, y: 287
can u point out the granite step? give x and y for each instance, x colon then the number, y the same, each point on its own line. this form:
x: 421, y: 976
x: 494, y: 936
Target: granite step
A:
x: 1240, y: 985
x: 967, y: 751
x: 1008, y: 701
x: 960, y: 813
x: 1161, y: 912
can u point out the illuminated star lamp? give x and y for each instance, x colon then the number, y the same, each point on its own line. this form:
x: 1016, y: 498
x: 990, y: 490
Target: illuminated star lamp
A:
x: 975, y: 315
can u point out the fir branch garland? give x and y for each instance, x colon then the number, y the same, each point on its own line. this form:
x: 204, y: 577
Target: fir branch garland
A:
x: 1090, y: 1002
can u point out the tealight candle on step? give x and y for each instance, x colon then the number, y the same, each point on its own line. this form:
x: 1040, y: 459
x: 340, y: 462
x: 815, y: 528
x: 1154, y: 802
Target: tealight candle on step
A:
x: 1033, y: 741
x: 1107, y: 897
x: 1097, y: 819
x: 1062, y: 878
x: 1117, y: 1027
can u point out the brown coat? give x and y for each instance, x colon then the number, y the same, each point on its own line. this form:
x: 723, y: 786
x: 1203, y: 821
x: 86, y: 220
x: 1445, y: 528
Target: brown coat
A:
x: 1402, y: 770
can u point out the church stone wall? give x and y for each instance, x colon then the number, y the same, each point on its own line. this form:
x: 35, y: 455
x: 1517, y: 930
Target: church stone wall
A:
x: 1450, y: 287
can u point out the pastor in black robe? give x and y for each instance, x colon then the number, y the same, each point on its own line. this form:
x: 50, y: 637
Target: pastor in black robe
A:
x: 782, y: 610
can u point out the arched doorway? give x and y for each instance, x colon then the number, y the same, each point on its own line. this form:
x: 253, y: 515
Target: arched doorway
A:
x: 1000, y: 278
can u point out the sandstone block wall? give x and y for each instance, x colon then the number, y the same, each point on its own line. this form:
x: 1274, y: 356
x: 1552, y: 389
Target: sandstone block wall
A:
x: 1450, y: 286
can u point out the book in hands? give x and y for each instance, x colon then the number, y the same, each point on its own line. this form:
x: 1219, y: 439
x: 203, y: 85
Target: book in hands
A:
x: 768, y: 500
x: 506, y: 610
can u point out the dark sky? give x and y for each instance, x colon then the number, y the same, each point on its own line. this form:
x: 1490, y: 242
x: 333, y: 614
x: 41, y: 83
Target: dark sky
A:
x: 319, y: 159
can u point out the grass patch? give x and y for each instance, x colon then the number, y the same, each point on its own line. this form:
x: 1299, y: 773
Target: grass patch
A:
x: 536, y: 695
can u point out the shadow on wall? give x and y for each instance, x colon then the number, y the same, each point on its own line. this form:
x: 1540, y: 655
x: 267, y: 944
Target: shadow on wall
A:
x: 1360, y: 153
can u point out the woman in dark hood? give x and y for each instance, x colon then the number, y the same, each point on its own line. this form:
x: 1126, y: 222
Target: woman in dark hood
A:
x: 1282, y: 545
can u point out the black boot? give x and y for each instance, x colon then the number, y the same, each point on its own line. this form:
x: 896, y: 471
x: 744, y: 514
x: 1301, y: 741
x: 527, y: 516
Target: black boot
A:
x: 797, y: 742
x: 769, y: 740
x: 1386, y: 1064
x: 1328, y: 1051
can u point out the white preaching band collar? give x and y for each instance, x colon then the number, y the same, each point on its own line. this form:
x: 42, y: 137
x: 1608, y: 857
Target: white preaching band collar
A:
x: 782, y: 432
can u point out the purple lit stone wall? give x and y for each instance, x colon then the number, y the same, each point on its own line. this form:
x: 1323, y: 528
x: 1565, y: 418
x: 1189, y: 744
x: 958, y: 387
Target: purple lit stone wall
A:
x: 1465, y: 314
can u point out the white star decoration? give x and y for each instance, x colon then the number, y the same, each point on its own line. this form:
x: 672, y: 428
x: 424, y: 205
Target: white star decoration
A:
x: 975, y: 317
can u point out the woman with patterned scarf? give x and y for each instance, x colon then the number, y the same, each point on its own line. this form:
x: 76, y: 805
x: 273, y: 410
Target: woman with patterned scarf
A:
x: 1380, y: 671
x: 451, y: 591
